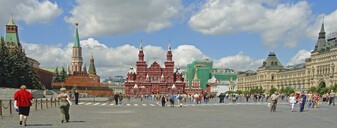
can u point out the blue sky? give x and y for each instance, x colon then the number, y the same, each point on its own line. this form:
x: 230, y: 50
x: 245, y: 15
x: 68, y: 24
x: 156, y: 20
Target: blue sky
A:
x: 237, y: 34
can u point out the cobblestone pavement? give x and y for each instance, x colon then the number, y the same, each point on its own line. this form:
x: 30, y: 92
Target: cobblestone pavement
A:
x: 234, y: 115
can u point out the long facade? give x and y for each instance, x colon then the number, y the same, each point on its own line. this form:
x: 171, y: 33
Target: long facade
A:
x: 318, y: 70
x: 154, y: 79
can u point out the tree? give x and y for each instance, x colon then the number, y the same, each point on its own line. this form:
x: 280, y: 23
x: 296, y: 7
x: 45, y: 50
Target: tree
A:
x: 16, y: 71
x: 24, y: 72
x: 245, y: 92
x: 260, y: 90
x: 57, y: 77
x: 282, y: 90
x: 312, y: 89
x: 272, y: 90
x: 289, y: 90
x: 63, y: 75
x: 238, y: 92
x: 4, y: 58
x: 334, y: 88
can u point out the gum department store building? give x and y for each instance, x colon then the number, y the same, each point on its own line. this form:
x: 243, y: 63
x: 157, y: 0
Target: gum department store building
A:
x: 318, y: 70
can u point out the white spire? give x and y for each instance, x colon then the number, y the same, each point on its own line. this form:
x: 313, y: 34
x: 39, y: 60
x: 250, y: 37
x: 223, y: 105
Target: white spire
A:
x: 169, y: 47
x: 141, y: 46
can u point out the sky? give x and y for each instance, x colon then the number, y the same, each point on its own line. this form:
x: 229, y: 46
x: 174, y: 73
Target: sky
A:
x: 237, y: 34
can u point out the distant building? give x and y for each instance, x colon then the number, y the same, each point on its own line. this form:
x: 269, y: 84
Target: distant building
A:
x: 87, y: 82
x: 116, y: 84
x: 318, y: 70
x: 210, y: 79
x: 223, y: 80
x: 203, y: 70
x: 154, y: 78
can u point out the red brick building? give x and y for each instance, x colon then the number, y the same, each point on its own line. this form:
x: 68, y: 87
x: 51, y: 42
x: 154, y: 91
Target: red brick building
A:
x: 80, y: 79
x: 154, y: 79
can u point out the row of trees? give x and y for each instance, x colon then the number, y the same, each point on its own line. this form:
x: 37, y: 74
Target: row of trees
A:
x: 16, y: 71
x: 286, y: 90
x: 60, y: 76
x: 322, y: 89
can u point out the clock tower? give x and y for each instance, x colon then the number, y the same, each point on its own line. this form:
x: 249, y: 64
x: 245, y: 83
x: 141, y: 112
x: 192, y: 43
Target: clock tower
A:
x: 12, y: 38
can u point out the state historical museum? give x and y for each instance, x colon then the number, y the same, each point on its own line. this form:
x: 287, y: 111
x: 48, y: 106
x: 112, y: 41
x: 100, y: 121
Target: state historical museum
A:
x: 154, y: 79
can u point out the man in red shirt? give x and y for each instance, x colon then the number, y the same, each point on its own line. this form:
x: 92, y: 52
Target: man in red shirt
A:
x: 23, y: 101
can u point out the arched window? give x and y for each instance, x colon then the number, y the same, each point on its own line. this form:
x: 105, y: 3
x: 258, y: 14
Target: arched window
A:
x: 272, y: 63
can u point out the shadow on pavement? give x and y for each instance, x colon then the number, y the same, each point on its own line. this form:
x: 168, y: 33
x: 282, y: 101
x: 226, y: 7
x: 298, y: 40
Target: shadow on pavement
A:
x: 76, y: 121
x: 39, y: 124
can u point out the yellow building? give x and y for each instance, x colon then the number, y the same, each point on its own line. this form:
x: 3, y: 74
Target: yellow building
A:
x: 318, y: 70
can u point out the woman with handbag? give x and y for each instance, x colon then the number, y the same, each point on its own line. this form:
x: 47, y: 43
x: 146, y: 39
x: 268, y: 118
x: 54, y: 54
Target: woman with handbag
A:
x: 64, y: 105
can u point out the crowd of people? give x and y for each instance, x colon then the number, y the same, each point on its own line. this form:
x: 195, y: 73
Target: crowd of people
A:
x: 303, y: 98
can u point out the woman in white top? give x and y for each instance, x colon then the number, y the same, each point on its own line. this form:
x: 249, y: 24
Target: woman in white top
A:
x: 292, y: 101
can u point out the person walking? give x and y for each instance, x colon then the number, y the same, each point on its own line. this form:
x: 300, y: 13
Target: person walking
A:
x: 172, y: 100
x: 324, y: 97
x: 315, y: 101
x: 120, y: 98
x: 309, y: 96
x: 64, y: 99
x: 116, y: 96
x: 274, y: 99
x: 302, y: 101
x: 180, y: 100
x: 332, y: 98
x: 292, y: 101
x: 76, y: 97
x: 163, y: 101
x: 23, y: 101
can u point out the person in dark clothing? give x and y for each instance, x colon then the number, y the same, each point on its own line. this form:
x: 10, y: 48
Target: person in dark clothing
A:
x: 163, y: 101
x: 116, y: 96
x: 76, y: 97
x: 303, y: 101
x: 221, y: 97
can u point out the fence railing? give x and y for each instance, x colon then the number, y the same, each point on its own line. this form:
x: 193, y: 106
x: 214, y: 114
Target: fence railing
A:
x: 7, y: 106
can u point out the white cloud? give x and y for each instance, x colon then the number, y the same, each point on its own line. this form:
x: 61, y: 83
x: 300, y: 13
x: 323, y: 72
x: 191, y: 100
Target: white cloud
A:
x: 107, y: 17
x: 109, y: 61
x: 239, y: 62
x: 186, y: 54
x: 276, y: 23
x: 300, y: 57
x: 29, y: 11
x: 329, y: 25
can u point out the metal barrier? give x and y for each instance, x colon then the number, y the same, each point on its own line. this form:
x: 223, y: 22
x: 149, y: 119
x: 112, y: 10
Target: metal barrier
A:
x: 4, y: 107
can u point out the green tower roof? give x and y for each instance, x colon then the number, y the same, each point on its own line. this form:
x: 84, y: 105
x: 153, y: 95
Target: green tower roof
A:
x: 11, y: 21
x: 77, y: 40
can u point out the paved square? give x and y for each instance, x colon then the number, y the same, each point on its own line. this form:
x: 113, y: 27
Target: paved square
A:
x: 147, y: 114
